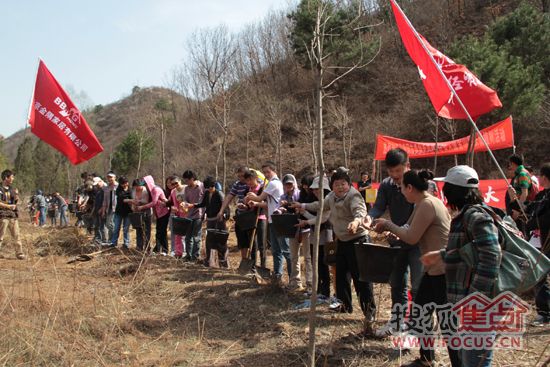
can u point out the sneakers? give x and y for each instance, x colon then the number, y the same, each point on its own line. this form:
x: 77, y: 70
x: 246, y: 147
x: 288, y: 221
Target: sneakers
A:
x: 541, y: 320
x: 20, y: 256
x: 388, y: 330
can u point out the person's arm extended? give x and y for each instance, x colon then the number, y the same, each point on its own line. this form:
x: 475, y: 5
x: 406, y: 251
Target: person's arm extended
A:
x: 202, y: 203
x: 381, y: 202
x: 7, y: 206
x: 257, y: 198
x: 312, y: 219
x: 226, y: 201
x: 423, y: 217
x: 156, y: 195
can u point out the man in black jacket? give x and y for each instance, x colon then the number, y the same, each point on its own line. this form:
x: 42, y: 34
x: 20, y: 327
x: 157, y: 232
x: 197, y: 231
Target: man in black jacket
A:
x: 539, y: 220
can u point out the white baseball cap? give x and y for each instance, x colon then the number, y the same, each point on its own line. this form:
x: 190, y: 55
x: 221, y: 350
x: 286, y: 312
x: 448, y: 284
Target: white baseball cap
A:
x: 315, y: 183
x: 463, y: 176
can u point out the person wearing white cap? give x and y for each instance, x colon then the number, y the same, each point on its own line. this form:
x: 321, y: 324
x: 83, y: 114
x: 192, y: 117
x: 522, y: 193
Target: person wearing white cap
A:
x: 475, y: 225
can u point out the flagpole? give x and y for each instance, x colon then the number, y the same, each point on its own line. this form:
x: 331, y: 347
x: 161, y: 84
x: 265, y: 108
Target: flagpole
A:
x: 455, y: 94
x: 32, y: 94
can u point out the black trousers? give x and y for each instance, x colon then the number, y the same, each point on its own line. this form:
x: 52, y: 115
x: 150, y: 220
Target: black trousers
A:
x: 346, y: 268
x: 161, y: 234
x: 433, y: 290
x: 323, y: 273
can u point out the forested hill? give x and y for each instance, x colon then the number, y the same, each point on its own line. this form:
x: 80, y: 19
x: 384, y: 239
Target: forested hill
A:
x: 264, y: 98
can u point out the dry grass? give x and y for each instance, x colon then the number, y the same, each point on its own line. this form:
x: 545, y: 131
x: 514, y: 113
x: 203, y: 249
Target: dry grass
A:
x: 119, y: 310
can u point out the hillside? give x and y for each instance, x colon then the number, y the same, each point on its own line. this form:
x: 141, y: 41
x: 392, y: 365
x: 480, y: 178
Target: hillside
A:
x: 387, y: 97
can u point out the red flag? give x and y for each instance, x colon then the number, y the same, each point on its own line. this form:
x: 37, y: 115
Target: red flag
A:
x: 476, y: 96
x: 55, y: 119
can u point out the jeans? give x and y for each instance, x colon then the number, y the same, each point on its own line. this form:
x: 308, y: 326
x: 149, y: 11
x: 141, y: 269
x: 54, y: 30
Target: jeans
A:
x: 125, y: 223
x: 63, y: 216
x: 161, y: 234
x: 109, y: 225
x: 542, y: 297
x: 143, y: 234
x: 476, y: 358
x: 433, y: 291
x: 407, y: 258
x: 42, y: 216
x: 99, y: 228
x: 193, y: 239
x: 346, y: 268
x: 280, y: 248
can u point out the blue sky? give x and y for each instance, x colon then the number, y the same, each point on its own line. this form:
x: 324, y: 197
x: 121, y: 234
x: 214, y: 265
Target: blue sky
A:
x: 103, y: 48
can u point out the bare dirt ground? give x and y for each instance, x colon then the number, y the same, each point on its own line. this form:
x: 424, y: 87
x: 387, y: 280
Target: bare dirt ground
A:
x: 121, y: 308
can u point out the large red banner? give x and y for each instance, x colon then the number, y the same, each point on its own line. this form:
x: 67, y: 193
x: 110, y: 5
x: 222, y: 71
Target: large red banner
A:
x: 498, y: 136
x: 55, y: 119
x: 493, y: 192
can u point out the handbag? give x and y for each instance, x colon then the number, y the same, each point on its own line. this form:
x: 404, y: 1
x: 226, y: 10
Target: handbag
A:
x: 522, y: 266
x: 330, y: 251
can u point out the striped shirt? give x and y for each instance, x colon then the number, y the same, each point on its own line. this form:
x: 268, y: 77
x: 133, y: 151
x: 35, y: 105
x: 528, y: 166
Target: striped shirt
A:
x: 481, y: 230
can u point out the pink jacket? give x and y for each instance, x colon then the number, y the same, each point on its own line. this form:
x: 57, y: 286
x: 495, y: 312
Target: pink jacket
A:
x: 157, y: 198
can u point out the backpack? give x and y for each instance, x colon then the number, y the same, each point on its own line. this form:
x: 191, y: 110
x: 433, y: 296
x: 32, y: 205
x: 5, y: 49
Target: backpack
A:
x: 522, y: 266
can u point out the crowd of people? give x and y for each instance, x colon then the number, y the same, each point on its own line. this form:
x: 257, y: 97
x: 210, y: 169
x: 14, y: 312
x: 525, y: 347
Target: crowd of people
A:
x: 425, y: 232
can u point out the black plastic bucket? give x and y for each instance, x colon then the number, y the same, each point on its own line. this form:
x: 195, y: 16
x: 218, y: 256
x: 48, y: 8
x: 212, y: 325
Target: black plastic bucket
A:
x: 285, y: 224
x: 180, y: 226
x: 136, y: 219
x: 216, y: 239
x: 375, y: 262
x: 246, y: 220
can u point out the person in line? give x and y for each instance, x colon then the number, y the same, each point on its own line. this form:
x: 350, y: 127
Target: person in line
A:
x: 52, y: 210
x: 122, y: 210
x: 157, y: 202
x: 61, y: 203
x: 9, y: 197
x: 140, y: 198
x: 521, y: 181
x: 292, y: 195
x: 280, y: 247
x: 177, y: 210
x: 427, y: 227
x: 212, y: 202
x: 100, y: 236
x: 193, y: 193
x: 108, y: 205
x: 325, y: 235
x: 472, y: 225
x: 41, y: 205
x: 347, y: 213
x: 539, y: 221
x: 254, y: 185
x: 238, y: 191
x: 407, y: 262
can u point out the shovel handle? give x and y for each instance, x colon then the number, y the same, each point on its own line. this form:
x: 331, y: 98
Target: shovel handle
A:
x: 249, y: 254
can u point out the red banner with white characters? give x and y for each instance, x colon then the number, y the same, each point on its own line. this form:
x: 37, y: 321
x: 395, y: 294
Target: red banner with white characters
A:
x: 477, y: 98
x: 498, y: 136
x: 55, y: 119
x: 493, y: 192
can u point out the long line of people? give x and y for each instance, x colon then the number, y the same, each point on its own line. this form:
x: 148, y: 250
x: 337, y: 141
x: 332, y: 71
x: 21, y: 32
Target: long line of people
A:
x: 427, y: 266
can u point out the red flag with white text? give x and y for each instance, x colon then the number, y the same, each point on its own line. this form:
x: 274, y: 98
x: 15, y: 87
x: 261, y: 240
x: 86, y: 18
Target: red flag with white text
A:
x: 55, y: 119
x: 476, y: 96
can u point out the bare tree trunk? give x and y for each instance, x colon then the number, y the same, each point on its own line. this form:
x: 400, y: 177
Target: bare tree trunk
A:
x: 279, y: 144
x: 344, y: 147
x: 163, y: 149
x: 139, y: 154
x: 247, y: 147
x: 224, y: 158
